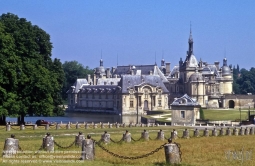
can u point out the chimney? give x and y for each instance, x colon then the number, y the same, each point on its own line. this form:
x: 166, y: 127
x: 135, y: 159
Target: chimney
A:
x: 217, y: 64
x: 168, y: 68
x: 113, y: 69
x: 107, y: 72
x: 89, y: 78
x: 150, y: 72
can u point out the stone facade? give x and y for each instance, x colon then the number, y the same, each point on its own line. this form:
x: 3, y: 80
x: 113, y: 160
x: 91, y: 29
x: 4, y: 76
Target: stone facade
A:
x: 185, y: 111
x: 206, y: 83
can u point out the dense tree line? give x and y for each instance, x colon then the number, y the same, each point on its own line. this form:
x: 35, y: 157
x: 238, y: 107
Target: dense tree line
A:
x: 31, y: 82
x: 73, y: 70
x: 244, y: 80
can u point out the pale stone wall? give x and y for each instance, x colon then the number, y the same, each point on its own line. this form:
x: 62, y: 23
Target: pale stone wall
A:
x: 191, y: 114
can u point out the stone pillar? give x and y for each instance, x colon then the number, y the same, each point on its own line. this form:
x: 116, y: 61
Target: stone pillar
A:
x: 136, y: 125
x: 106, y: 138
x: 102, y: 125
x: 78, y: 139
x: 86, y: 126
x: 22, y: 127
x: 206, y: 132
x: 228, y: 132
x: 130, y: 124
x: 145, y: 135
x: 148, y: 125
x: 172, y: 154
x: 185, y: 134
x: 214, y: 132
x: 88, y: 149
x: 124, y: 125
x: 77, y: 126
x: 47, y: 126
x: 34, y: 126
x: 175, y: 134
x: 110, y: 125
x: 252, y: 131
x: 57, y: 126
x: 161, y: 135
x: 11, y: 146
x: 235, y: 131
x: 246, y: 131
x: 241, y: 131
x: 48, y: 143
x: 94, y: 126
x: 196, y: 133
x: 68, y: 126
x: 8, y: 127
x: 142, y: 125
x: 221, y: 132
x: 126, y: 137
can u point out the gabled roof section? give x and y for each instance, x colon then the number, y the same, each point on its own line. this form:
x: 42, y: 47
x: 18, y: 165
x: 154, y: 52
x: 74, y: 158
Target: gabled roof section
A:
x: 158, y: 72
x: 77, y: 85
x: 185, y: 100
x: 130, y: 81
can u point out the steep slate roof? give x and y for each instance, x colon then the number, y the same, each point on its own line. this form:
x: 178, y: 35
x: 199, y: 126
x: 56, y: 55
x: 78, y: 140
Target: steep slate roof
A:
x: 145, y: 69
x: 135, y: 80
x: 77, y: 85
x: 99, y: 88
x: 108, y: 81
x: 184, y: 100
x: 210, y: 69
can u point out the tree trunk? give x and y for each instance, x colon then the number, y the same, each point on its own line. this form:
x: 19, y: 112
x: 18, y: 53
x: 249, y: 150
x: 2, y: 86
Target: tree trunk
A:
x: 21, y: 120
x: 3, y: 120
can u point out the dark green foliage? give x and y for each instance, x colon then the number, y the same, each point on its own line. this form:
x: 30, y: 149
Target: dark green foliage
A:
x: 73, y: 70
x: 202, y: 115
x: 244, y: 81
x: 30, y: 81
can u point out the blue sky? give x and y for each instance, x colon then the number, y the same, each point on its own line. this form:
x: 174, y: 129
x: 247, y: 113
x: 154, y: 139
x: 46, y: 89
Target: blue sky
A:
x: 137, y: 31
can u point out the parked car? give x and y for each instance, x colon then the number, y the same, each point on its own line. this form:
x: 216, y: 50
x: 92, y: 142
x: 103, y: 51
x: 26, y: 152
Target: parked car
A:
x: 41, y: 122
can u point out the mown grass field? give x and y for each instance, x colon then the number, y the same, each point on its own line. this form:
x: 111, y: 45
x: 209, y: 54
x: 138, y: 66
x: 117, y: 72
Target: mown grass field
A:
x: 195, y: 151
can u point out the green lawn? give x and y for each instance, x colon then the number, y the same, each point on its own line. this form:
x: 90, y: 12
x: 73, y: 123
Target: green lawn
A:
x: 202, y: 151
x: 226, y: 114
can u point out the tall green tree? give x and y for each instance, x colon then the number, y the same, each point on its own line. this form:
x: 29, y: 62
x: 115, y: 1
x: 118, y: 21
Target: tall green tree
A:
x: 73, y: 70
x: 29, y: 78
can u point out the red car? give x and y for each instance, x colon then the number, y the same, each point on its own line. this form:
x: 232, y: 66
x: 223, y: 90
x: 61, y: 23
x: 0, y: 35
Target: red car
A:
x: 41, y: 122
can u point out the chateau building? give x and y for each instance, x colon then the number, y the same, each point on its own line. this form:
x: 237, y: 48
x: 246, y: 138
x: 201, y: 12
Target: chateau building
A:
x: 206, y: 83
x: 136, y: 89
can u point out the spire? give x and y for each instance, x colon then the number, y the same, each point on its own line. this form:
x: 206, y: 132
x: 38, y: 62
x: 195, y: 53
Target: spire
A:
x: 101, y: 60
x: 155, y: 59
x: 190, y: 52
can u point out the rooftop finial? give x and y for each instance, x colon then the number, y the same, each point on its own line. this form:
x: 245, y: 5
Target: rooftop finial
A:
x: 155, y: 58
x: 190, y: 27
x: 117, y: 59
x: 101, y: 53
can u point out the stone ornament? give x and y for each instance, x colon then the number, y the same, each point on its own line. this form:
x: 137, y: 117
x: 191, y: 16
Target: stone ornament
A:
x: 172, y: 153
x: 161, y: 135
x: 185, y: 134
x: 214, y: 132
x: 48, y: 142
x: 206, y: 132
x: 78, y: 139
x: 196, y: 133
x: 88, y: 149
x: 126, y: 137
x: 235, y: 131
x: 145, y: 135
x: 106, y: 138
x: 11, y: 146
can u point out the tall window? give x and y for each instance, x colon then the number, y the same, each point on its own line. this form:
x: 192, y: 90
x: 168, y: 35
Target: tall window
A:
x: 159, y: 94
x: 153, y: 101
x: 131, y: 94
x: 131, y: 104
x: 159, y: 103
x: 146, y: 94
x: 182, y: 114
x: 140, y: 101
